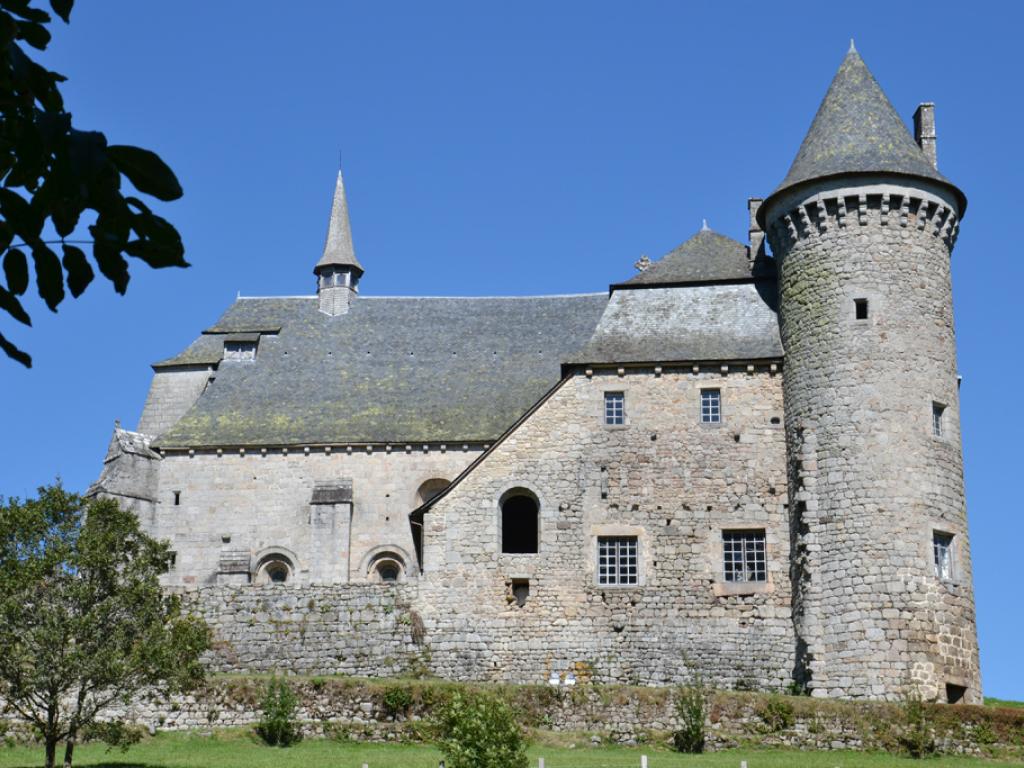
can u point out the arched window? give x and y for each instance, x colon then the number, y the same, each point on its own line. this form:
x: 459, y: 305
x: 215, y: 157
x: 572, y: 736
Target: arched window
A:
x: 274, y: 569
x: 387, y: 568
x: 520, y: 522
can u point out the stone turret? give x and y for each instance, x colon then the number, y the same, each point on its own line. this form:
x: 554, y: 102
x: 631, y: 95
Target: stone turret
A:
x: 863, y: 228
x: 338, y: 270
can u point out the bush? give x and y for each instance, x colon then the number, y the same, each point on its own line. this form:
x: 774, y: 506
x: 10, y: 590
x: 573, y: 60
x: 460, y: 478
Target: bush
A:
x: 476, y: 730
x: 692, y: 710
x: 278, y: 726
x: 777, y: 714
x: 397, y: 699
x: 917, y: 736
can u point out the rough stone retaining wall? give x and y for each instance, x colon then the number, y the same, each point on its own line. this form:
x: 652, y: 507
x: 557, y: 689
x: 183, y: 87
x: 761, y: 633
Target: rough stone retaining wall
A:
x: 359, y: 710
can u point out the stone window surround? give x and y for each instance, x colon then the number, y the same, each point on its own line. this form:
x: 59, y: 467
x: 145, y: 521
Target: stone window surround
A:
x: 722, y: 399
x: 378, y: 555
x: 605, y: 401
x: 269, y: 555
x: 716, y: 559
x: 503, y: 493
x: 938, y: 409
x: 608, y: 387
x: 955, y: 550
x: 617, y: 529
x: 846, y: 311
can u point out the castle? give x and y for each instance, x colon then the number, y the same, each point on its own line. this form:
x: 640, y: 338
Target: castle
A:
x: 733, y: 463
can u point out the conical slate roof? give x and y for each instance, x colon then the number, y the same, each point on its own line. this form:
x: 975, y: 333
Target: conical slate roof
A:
x: 338, y: 250
x: 857, y: 130
x: 705, y: 257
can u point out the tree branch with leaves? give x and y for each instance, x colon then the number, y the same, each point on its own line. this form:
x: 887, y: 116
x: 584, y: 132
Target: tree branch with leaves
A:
x: 57, y: 179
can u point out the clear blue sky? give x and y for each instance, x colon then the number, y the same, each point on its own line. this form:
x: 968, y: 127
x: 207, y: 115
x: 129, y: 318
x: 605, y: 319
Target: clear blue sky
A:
x: 513, y: 148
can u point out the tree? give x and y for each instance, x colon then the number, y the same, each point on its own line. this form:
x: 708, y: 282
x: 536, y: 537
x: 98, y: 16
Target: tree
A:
x: 83, y: 621
x: 477, y: 730
x: 52, y: 173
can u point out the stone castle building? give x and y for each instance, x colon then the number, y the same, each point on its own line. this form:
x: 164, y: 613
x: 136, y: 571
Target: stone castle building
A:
x: 734, y: 463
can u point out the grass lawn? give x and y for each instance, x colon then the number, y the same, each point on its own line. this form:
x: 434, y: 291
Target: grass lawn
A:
x: 990, y: 702
x: 235, y: 749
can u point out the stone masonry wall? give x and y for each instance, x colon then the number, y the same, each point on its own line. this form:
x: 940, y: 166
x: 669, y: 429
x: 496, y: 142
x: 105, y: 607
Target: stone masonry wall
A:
x: 259, y: 503
x: 663, y: 477
x: 870, y: 481
x: 172, y: 393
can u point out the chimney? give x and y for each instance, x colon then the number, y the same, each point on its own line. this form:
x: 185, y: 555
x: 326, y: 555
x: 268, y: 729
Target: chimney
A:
x: 924, y: 131
x: 756, y: 248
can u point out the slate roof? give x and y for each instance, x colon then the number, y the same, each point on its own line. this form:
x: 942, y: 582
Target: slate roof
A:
x: 388, y: 371
x: 857, y: 130
x: 338, y: 248
x: 700, y: 322
x: 705, y: 257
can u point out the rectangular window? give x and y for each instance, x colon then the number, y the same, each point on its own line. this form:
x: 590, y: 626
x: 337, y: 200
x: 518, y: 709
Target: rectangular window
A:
x: 938, y: 410
x: 617, y: 560
x: 239, y: 350
x: 710, y: 406
x: 860, y: 309
x: 744, y: 555
x: 614, y: 408
x: 942, y: 546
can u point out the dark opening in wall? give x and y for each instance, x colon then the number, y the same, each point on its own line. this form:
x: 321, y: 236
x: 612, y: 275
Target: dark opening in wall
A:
x: 955, y: 693
x: 520, y: 528
x: 860, y: 309
x: 177, y: 498
x: 520, y: 591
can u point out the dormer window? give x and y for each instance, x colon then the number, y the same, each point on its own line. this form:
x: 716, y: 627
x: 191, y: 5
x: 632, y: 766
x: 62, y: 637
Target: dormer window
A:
x: 241, y: 348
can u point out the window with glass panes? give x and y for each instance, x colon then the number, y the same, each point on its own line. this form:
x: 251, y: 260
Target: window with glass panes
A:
x: 942, y: 546
x: 744, y: 555
x: 617, y: 560
x: 710, y: 406
x: 614, y: 408
x: 239, y: 350
x: 937, y: 411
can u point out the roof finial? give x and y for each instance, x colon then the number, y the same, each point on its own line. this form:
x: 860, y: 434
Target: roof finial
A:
x: 853, y: 48
x: 704, y: 226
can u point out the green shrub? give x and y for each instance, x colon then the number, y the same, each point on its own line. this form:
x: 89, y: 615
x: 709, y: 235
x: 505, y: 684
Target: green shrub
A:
x: 692, y: 710
x: 397, y: 699
x: 917, y: 738
x: 278, y: 726
x: 115, y: 734
x: 777, y: 714
x: 477, y: 730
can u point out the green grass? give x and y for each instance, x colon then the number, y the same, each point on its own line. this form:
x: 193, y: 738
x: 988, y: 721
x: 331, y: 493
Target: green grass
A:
x: 990, y: 702
x: 237, y: 749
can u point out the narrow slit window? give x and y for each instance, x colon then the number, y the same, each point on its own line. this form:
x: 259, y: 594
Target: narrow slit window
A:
x: 942, y: 547
x: 617, y: 560
x: 614, y: 408
x: 745, y: 556
x: 177, y: 498
x: 860, y: 308
x: 710, y: 406
x: 938, y: 419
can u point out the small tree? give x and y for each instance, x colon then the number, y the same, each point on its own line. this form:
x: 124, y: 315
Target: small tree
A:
x: 692, y: 710
x: 476, y: 730
x: 277, y: 726
x: 83, y: 621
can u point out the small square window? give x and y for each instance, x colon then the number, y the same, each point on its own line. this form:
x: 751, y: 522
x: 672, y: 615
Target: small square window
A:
x: 617, y: 560
x: 938, y: 425
x: 710, y: 406
x: 614, y: 408
x: 860, y: 309
x: 942, y: 546
x: 744, y: 556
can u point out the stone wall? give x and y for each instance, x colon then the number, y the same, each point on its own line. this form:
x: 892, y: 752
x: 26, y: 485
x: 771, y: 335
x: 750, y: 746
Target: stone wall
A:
x: 870, y: 481
x: 258, y: 504
x: 359, y: 710
x: 172, y: 393
x: 355, y: 629
x: 663, y: 477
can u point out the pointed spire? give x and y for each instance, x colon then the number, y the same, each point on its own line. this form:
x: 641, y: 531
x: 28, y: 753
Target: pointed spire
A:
x: 338, y: 250
x: 857, y: 130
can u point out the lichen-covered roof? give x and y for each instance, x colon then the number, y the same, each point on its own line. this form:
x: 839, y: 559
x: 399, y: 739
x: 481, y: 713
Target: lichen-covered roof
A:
x: 206, y: 350
x: 691, y: 323
x: 388, y: 371
x: 705, y: 257
x: 857, y: 130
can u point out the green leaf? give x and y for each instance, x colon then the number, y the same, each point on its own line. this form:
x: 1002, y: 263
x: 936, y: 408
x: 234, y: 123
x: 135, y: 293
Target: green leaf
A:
x: 80, y: 274
x: 16, y: 271
x: 146, y: 171
x: 34, y: 34
x: 10, y: 304
x: 112, y: 264
x: 49, y: 276
x: 14, y: 353
x: 63, y: 9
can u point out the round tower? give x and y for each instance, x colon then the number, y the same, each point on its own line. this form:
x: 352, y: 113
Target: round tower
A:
x: 863, y: 227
